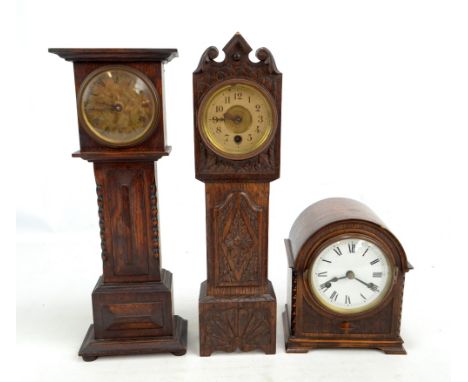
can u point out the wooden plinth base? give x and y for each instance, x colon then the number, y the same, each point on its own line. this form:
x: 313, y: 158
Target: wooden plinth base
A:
x: 294, y: 344
x: 243, y: 322
x: 177, y: 344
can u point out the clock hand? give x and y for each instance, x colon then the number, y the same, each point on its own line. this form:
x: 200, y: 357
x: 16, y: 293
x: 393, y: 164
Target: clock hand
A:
x: 216, y: 119
x: 234, y: 118
x: 327, y: 284
x: 371, y: 286
x: 98, y: 108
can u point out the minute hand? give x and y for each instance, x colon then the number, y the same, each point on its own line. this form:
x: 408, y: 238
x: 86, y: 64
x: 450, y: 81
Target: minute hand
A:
x: 371, y: 286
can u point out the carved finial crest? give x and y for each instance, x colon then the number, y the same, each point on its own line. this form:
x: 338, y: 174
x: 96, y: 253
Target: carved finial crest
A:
x: 237, y: 50
x: 207, y: 57
x: 265, y: 56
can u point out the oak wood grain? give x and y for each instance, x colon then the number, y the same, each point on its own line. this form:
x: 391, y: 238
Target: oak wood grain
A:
x: 132, y: 301
x: 237, y: 304
x: 307, y: 324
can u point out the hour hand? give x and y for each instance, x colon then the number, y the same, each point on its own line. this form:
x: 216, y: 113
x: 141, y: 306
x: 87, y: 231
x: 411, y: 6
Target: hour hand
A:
x: 217, y: 119
x: 327, y: 284
x: 233, y: 117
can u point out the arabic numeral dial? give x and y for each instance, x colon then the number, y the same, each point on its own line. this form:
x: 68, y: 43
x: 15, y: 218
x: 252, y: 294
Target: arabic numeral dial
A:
x: 237, y: 119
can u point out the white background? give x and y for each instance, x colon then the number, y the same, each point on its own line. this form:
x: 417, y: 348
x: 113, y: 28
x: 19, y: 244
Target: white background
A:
x: 374, y: 104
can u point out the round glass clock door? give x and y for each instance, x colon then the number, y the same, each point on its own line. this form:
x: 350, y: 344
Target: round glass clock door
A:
x: 350, y: 275
x: 237, y: 119
x: 118, y: 105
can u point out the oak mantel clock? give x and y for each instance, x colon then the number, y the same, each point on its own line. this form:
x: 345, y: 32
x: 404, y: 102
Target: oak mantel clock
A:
x: 347, y: 273
x: 121, y: 130
x: 237, y: 105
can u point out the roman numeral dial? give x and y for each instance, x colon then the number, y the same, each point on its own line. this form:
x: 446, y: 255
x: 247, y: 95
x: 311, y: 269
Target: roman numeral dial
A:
x: 350, y: 275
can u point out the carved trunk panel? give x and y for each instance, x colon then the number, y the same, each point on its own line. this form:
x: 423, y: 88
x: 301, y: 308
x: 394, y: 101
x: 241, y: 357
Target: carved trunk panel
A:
x: 237, y: 225
x: 127, y: 200
x: 236, y: 237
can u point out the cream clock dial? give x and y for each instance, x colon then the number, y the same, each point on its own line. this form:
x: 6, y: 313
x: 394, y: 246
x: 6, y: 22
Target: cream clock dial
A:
x: 118, y: 106
x: 237, y: 119
x: 351, y: 275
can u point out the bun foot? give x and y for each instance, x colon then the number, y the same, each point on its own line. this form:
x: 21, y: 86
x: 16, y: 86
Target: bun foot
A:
x: 399, y: 349
x: 89, y: 358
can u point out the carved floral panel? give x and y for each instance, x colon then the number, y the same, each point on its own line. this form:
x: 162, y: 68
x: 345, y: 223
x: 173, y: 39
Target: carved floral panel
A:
x: 237, y: 221
x: 232, y: 328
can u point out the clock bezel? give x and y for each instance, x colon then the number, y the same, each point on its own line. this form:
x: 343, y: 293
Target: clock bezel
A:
x: 356, y: 310
x: 201, y: 125
x: 91, y: 131
x: 320, y: 245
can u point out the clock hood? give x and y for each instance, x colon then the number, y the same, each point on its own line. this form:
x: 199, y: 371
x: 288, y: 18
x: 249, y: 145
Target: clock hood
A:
x: 335, y: 214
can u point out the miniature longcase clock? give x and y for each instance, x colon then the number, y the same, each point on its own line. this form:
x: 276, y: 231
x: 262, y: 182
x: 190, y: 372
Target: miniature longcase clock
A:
x: 346, y: 279
x: 121, y: 130
x: 237, y: 105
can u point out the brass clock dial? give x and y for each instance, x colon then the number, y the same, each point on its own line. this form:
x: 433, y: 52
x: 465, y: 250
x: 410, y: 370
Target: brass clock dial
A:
x: 118, y: 105
x: 237, y: 119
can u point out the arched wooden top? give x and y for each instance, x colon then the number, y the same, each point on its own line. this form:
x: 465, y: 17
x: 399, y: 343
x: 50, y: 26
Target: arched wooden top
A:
x: 327, y: 212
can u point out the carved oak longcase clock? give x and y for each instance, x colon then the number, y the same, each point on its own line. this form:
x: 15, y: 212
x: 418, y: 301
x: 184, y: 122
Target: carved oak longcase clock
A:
x: 237, y: 106
x: 121, y: 130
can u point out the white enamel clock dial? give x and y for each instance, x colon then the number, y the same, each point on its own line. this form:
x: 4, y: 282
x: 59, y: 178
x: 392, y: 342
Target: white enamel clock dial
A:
x: 350, y: 275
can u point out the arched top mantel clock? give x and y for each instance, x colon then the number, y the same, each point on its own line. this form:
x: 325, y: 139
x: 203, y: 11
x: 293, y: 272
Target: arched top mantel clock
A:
x: 347, y: 274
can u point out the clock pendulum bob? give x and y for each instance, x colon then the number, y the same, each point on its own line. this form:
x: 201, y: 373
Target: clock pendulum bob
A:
x: 346, y: 278
x: 237, y: 105
x: 121, y: 126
